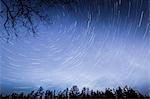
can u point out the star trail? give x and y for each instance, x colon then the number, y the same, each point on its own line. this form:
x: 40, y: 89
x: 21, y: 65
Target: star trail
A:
x: 93, y: 43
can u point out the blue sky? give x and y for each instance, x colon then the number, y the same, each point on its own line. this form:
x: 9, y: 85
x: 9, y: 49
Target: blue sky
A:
x: 99, y: 45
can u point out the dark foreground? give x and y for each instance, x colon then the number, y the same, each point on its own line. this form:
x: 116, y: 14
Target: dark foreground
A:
x: 119, y: 93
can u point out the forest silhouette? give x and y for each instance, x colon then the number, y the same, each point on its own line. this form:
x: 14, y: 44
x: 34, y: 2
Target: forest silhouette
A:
x: 75, y: 93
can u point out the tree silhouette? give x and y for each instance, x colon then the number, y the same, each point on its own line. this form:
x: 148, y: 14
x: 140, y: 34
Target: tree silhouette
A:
x: 119, y: 93
x: 40, y: 92
x: 74, y: 92
x: 25, y: 13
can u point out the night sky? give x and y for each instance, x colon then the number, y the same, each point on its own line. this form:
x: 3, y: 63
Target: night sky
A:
x: 92, y: 43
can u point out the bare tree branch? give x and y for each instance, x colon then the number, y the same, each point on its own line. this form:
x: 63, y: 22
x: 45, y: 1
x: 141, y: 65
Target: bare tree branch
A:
x: 23, y: 12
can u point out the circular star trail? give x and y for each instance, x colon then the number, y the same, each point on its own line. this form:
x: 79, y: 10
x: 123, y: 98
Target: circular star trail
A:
x: 94, y: 43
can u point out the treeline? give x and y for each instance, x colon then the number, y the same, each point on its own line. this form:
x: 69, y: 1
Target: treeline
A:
x: 74, y: 92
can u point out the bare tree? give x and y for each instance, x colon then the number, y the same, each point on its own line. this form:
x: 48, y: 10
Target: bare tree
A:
x: 23, y: 13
